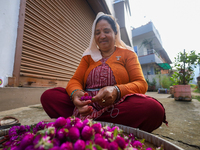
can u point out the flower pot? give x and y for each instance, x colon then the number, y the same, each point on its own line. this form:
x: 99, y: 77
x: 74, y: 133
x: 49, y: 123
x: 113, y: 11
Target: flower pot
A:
x: 151, y: 88
x: 182, y: 92
x: 171, y: 91
x: 198, y: 81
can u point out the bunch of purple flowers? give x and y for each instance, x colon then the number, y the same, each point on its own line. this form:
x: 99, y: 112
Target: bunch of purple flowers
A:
x: 71, y: 134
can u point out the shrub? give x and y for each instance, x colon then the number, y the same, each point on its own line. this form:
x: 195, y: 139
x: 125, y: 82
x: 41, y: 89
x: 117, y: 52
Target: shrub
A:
x: 166, y: 82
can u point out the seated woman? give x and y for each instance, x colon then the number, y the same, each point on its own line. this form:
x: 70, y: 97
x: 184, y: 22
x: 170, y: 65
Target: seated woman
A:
x: 110, y: 72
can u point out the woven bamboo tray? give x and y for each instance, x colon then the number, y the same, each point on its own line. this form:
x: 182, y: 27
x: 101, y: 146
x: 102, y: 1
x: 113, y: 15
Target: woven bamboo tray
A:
x: 155, y: 140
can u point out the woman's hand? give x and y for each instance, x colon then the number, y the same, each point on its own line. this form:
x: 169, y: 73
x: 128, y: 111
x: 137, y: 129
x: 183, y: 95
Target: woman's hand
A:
x: 107, y: 94
x: 83, y: 108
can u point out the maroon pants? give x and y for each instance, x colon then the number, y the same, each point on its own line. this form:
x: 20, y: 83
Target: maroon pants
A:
x: 136, y: 111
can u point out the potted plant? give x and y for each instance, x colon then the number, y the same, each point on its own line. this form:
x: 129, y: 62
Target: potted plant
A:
x: 151, y: 85
x: 184, y: 74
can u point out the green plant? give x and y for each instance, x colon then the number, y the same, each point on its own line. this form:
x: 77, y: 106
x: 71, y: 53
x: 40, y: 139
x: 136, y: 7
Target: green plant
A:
x: 153, y: 83
x: 184, y: 73
x: 147, y: 43
x: 166, y: 82
x: 196, y: 97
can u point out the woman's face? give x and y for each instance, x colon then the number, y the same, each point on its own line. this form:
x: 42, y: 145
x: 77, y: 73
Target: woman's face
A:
x: 104, y: 36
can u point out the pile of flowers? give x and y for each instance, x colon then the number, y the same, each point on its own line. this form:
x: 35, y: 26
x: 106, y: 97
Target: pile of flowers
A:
x: 71, y: 134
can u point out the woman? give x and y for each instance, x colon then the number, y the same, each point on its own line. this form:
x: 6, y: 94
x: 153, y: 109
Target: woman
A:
x: 110, y: 72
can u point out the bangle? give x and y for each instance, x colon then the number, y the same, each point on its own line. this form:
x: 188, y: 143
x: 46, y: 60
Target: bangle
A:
x: 71, y: 96
x: 118, y: 94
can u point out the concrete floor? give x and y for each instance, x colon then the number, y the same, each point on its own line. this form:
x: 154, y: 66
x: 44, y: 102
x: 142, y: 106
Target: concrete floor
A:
x: 183, y: 117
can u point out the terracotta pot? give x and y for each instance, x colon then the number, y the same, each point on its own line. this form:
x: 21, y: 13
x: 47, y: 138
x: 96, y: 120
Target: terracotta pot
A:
x: 198, y: 81
x: 182, y: 92
x: 151, y: 88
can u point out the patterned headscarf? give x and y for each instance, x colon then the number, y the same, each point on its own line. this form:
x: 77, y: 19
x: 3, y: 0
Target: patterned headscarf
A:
x: 93, y: 49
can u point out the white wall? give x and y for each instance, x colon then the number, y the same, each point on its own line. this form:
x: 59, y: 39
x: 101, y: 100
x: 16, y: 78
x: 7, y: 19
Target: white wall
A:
x: 9, y: 11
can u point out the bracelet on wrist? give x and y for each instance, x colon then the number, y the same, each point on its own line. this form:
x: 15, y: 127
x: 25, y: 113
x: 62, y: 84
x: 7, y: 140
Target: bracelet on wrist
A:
x: 118, y: 94
x: 74, y: 91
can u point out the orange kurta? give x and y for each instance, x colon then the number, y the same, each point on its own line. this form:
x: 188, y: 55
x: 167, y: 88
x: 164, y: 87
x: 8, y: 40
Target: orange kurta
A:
x: 126, y: 69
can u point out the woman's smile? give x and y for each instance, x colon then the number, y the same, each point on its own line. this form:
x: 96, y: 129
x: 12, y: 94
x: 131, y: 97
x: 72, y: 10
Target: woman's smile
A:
x: 105, y: 37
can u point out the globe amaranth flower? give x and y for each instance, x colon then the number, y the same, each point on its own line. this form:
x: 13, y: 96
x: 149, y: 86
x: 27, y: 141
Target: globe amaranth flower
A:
x: 136, y: 144
x: 66, y: 146
x: 62, y: 133
x: 26, y: 140
x: 74, y: 133
x: 60, y: 122
x: 113, y: 146
x: 79, y: 145
x: 101, y: 142
x: 55, y: 148
x: 51, y: 131
x: 79, y: 125
x: 68, y: 123
x: 43, y: 143
x: 97, y: 127
x: 30, y: 147
x: 121, y: 142
x: 87, y: 133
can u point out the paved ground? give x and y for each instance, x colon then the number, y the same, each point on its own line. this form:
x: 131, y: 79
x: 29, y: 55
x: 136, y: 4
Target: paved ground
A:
x: 183, y: 117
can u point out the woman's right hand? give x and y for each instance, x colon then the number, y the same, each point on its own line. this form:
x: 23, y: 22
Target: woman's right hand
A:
x: 83, y: 106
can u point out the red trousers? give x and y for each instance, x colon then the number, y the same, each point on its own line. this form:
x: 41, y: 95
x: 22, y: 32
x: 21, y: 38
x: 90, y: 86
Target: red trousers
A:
x: 135, y: 111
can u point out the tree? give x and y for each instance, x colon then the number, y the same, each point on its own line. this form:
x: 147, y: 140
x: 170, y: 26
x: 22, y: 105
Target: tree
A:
x: 183, y: 63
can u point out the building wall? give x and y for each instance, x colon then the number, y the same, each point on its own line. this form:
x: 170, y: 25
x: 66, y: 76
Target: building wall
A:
x: 9, y: 11
x: 109, y: 3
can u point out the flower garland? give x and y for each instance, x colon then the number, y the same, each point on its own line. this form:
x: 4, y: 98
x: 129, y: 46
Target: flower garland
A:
x: 71, y: 134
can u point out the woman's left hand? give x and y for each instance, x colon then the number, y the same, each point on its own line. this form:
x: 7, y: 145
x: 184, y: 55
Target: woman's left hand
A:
x: 106, y: 96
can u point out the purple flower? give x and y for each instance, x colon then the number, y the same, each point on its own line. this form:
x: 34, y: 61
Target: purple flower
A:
x: 68, y: 123
x: 87, y: 132
x: 132, y: 137
x: 21, y: 130
x: 62, y: 133
x: 43, y: 143
x: 79, y: 125
x: 41, y: 125
x: 50, y: 124
x: 74, y: 133
x: 136, y: 144
x: 113, y: 146
x: 98, y: 135
x: 115, y: 127
x: 66, y: 146
x: 56, y: 142
x: 85, y: 122
x: 76, y: 120
x: 82, y: 98
x: 101, y: 142
x: 106, y: 128
x: 51, y: 132
x: 79, y: 145
x: 26, y: 140
x: 108, y: 134
x: 37, y: 139
x: 60, y: 122
x: 55, y: 148
x: 121, y: 142
x: 30, y: 147
x: 97, y: 127
x: 149, y: 148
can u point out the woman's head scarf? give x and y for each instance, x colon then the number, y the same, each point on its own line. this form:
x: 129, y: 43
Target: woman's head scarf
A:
x: 93, y: 49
